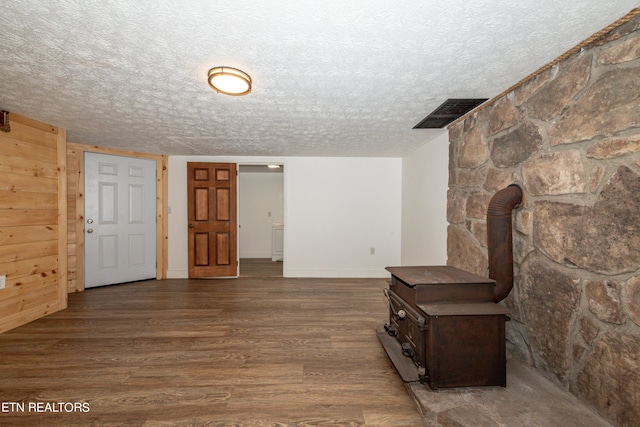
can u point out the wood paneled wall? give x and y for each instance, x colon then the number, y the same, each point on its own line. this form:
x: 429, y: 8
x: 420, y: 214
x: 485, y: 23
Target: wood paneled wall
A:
x: 75, y: 258
x: 75, y: 204
x: 33, y: 226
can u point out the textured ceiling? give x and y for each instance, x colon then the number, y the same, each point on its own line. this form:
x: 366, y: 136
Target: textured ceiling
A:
x: 331, y: 78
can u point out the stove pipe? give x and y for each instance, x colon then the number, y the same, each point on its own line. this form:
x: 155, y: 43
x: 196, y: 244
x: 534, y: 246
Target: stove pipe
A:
x: 499, y: 238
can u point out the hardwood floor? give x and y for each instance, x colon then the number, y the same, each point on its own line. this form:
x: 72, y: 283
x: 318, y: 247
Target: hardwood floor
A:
x: 260, y: 267
x: 243, y: 352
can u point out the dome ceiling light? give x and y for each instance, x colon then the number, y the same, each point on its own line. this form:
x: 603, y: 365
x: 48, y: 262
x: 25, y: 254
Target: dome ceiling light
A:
x: 229, y: 81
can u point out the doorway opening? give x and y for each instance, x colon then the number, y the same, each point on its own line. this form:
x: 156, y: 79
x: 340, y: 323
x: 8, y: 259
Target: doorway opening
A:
x: 261, y: 220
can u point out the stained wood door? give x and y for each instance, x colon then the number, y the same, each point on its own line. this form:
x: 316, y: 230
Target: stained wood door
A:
x: 212, y: 219
x: 120, y: 219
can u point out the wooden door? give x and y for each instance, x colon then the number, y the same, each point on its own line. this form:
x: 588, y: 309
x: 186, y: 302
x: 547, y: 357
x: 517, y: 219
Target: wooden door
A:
x: 212, y: 219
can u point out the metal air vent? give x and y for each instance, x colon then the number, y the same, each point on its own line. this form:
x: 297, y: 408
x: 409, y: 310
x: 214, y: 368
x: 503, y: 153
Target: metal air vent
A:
x: 450, y: 110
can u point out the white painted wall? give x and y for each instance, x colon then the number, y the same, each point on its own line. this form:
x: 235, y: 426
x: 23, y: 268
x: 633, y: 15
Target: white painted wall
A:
x: 261, y: 203
x: 335, y: 210
x: 425, y: 176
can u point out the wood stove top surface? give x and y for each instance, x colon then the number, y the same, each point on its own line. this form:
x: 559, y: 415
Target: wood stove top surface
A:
x: 471, y: 308
x: 435, y: 275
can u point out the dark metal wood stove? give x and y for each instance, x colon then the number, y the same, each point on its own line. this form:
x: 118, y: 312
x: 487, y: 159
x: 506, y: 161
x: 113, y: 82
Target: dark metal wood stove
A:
x: 445, y: 327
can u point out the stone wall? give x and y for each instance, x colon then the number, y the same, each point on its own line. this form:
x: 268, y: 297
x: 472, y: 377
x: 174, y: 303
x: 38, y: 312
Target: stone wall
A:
x: 571, y: 137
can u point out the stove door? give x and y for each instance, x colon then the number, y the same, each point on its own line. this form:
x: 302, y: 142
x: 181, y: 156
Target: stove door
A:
x: 410, y: 330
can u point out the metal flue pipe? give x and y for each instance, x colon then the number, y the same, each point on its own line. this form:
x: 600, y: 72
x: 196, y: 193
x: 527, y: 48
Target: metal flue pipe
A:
x: 500, y: 238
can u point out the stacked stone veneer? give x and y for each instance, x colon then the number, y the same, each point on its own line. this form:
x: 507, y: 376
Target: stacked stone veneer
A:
x: 571, y: 137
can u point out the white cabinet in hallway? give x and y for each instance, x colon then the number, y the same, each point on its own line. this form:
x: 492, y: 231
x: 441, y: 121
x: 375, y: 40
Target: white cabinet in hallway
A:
x: 277, y: 241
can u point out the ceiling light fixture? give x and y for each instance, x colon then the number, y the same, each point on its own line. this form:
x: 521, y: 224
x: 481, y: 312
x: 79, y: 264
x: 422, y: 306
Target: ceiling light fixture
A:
x: 229, y: 81
x: 273, y: 166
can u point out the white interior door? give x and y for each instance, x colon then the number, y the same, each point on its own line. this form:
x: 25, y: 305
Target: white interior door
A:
x: 119, y: 219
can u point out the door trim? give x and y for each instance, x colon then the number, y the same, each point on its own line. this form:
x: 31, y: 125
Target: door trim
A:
x: 75, y: 217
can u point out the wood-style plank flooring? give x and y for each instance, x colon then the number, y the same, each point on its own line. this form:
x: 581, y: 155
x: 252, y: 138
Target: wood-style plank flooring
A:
x: 260, y: 267
x: 244, y: 352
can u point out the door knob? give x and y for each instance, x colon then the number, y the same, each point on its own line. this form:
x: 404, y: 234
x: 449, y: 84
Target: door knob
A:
x: 190, y: 225
x: 90, y: 230
x: 89, y: 221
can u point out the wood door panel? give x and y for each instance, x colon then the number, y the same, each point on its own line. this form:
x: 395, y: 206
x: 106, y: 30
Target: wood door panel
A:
x: 212, y: 219
x: 201, y: 174
x: 222, y: 248
x: 201, y: 204
x: 222, y: 174
x: 201, y: 249
x: 222, y: 204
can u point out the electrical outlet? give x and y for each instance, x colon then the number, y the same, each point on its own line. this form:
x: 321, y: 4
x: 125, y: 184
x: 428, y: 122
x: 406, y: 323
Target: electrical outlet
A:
x: 3, y: 281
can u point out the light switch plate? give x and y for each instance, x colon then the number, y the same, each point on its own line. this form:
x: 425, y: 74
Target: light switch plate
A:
x: 3, y: 281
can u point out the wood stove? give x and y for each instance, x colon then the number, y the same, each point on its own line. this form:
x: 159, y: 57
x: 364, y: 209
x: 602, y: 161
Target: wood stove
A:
x: 445, y: 327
